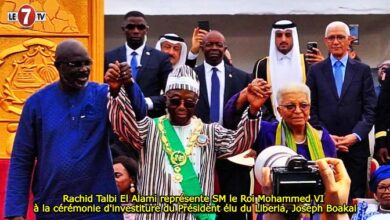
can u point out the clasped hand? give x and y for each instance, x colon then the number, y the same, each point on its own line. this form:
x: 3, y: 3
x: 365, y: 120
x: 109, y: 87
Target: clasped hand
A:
x: 117, y: 75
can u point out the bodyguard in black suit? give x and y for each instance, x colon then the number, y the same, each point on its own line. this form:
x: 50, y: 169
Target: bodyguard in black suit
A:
x: 343, y: 101
x: 233, y: 178
x: 151, y: 66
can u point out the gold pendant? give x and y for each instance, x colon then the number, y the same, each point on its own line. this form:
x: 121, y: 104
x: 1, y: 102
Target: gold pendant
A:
x: 177, y: 177
x: 178, y: 158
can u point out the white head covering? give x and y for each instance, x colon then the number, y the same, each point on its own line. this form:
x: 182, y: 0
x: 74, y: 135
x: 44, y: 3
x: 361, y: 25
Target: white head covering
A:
x: 283, y: 71
x: 183, y: 77
x: 174, y: 39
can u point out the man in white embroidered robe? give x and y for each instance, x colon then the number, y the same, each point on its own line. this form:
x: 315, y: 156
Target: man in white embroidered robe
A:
x: 202, y: 143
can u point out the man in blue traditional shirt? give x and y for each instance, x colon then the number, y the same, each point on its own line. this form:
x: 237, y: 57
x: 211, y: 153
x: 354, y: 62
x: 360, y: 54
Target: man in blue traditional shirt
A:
x: 63, y: 131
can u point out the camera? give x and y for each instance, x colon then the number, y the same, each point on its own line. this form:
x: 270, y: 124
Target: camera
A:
x: 299, y: 177
x: 310, y: 46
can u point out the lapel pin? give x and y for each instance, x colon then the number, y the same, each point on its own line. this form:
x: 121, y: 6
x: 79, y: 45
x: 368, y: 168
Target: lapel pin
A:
x: 147, y: 53
x: 230, y: 75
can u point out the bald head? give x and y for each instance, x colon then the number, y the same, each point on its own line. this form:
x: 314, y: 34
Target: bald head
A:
x: 73, y: 64
x: 214, y: 47
x: 71, y: 50
x: 214, y: 33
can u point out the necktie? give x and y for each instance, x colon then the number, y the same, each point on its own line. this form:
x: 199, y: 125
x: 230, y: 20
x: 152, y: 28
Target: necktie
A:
x: 338, y: 76
x: 134, y: 64
x: 214, y: 106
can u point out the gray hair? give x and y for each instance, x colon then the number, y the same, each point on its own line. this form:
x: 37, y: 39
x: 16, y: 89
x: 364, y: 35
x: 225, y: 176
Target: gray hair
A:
x: 292, y: 87
x: 335, y: 24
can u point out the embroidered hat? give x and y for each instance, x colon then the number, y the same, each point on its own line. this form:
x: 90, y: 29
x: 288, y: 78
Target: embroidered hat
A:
x: 183, y: 77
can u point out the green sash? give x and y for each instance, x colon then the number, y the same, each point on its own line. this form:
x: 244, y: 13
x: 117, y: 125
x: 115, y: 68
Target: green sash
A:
x: 190, y: 183
x: 285, y: 136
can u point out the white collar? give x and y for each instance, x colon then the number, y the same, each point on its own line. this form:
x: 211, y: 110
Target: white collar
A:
x: 139, y: 50
x: 220, y: 67
x: 281, y: 56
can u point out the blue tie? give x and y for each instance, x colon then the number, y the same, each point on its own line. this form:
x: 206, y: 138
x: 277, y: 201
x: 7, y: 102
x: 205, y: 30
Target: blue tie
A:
x: 338, y: 76
x: 134, y: 64
x: 214, y: 107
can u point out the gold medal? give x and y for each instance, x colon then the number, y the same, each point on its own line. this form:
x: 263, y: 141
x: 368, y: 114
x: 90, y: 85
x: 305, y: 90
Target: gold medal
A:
x: 202, y: 140
x: 177, y: 177
x: 178, y: 158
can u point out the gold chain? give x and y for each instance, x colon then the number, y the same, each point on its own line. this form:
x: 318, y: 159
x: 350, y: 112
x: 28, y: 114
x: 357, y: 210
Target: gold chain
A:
x: 178, y: 158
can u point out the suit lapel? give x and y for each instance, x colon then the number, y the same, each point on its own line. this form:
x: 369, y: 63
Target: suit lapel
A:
x: 122, y: 54
x: 145, y: 58
x: 329, y: 78
x: 228, y: 83
x: 348, y: 77
x: 202, y: 84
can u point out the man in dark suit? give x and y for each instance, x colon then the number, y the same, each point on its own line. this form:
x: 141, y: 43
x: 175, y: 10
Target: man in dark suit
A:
x: 343, y: 101
x: 382, y: 123
x: 218, y: 82
x: 150, y: 67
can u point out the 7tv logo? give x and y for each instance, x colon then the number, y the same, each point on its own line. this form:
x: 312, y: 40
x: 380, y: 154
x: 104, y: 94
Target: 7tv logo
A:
x: 26, y: 16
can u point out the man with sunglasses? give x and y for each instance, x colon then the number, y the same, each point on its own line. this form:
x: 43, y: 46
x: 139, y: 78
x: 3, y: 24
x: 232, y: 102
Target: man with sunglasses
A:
x: 149, y: 67
x: 62, y: 141
x: 178, y: 146
x: 343, y: 101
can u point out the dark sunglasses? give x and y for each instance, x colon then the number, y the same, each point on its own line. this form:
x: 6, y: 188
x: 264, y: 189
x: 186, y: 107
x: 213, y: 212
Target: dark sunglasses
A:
x: 177, y: 102
x: 133, y: 26
x: 78, y: 64
x: 293, y: 107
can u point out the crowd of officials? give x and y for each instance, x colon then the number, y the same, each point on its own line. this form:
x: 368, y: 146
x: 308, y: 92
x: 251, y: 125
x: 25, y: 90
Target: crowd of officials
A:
x: 163, y: 126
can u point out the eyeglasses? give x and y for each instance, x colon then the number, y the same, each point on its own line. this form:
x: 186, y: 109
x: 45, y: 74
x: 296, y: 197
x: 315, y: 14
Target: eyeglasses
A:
x: 334, y: 37
x: 293, y: 107
x: 77, y: 64
x: 177, y: 102
x: 383, y: 188
x: 140, y: 27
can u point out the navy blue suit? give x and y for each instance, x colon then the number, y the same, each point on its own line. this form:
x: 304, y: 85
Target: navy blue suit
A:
x: 152, y: 76
x: 353, y: 112
x: 235, y: 81
x: 233, y: 178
